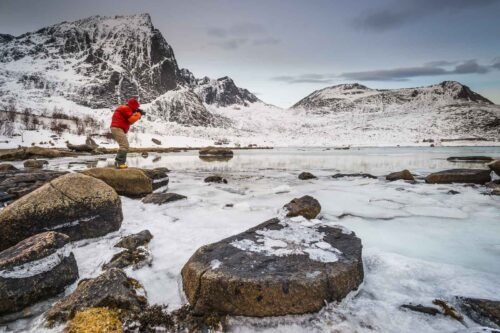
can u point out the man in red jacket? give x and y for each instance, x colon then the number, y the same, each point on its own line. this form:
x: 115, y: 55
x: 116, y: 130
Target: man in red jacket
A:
x: 123, y: 117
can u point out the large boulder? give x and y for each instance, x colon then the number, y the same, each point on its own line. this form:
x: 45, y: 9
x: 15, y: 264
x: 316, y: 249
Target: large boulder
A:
x: 34, y: 269
x: 74, y: 204
x: 131, y: 182
x: 280, y: 267
x: 473, y: 176
x: 400, y: 175
x: 495, y: 166
x: 112, y: 289
x: 17, y: 183
x: 305, y: 206
x: 483, y: 311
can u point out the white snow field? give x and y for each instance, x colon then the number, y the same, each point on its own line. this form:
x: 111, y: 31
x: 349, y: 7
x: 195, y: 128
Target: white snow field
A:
x: 419, y: 242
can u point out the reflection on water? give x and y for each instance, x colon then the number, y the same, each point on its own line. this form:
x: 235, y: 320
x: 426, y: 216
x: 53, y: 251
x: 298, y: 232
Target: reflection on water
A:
x: 371, y: 160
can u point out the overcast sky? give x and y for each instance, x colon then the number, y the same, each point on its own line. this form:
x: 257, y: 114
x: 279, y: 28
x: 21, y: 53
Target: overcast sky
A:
x: 283, y: 50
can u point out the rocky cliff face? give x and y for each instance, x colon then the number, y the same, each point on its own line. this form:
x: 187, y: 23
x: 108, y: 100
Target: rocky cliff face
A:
x: 99, y: 62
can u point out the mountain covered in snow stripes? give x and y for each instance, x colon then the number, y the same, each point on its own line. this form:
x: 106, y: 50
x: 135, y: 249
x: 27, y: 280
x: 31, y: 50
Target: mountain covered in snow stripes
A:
x: 100, y: 62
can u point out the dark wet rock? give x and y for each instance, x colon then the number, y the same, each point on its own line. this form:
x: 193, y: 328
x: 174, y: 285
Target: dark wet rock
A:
x: 215, y: 152
x: 7, y: 167
x: 476, y: 159
x: 132, y: 242
x: 35, y: 164
x: 306, y: 176
x: 305, y: 206
x: 137, y: 258
x: 74, y: 204
x: 25, y: 153
x: 422, y: 309
x: 215, y: 179
x: 162, y: 198
x: 17, y: 183
x: 156, y: 141
x: 400, y: 175
x: 144, y: 154
x: 35, y: 269
x: 482, y: 311
x: 159, y: 177
x: 453, y: 192
x: 240, y: 275
x: 131, y: 182
x: 473, y: 176
x: 362, y: 175
x: 112, y: 289
x: 495, y: 166
x: 229, y: 205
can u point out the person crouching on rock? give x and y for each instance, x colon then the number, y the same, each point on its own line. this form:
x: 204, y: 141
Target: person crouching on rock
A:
x: 123, y: 117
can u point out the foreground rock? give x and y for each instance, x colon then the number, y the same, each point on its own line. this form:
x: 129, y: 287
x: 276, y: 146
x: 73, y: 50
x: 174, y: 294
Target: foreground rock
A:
x: 131, y: 182
x: 362, y: 175
x: 215, y: 179
x: 137, y: 258
x: 7, y: 167
x: 306, y: 206
x: 162, y: 198
x: 265, y: 271
x: 74, y: 204
x: 95, y: 320
x: 476, y: 159
x: 495, y: 166
x: 35, y: 164
x: 34, y: 269
x: 483, y: 311
x: 215, y: 152
x: 26, y: 153
x: 112, y: 289
x: 401, y: 175
x: 132, y: 242
x: 306, y: 176
x: 17, y: 183
x: 471, y: 176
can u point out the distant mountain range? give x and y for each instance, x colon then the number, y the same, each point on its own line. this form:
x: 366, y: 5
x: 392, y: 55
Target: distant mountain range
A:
x: 99, y: 62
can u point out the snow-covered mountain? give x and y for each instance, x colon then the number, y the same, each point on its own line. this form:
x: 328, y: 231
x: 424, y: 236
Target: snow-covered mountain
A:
x: 99, y: 62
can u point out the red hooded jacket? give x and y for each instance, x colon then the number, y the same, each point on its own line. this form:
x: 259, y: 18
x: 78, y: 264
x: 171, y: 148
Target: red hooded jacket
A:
x: 124, y: 115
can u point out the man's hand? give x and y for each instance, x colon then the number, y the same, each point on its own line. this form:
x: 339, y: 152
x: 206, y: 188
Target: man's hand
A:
x: 143, y: 113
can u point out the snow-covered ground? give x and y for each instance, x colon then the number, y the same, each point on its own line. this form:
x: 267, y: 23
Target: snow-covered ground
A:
x: 419, y: 242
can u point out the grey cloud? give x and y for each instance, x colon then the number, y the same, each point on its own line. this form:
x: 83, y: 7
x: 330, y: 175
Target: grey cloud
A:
x: 305, y: 78
x: 440, y: 63
x: 400, y: 13
x: 470, y: 66
x: 237, y: 35
x: 231, y: 44
x: 266, y: 41
x: 496, y: 63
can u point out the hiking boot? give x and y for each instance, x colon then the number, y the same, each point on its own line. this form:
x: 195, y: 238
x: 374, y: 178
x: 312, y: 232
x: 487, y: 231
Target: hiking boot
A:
x: 121, y: 165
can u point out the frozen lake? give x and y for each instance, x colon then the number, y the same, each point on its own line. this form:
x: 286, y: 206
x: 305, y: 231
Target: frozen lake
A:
x: 419, y: 241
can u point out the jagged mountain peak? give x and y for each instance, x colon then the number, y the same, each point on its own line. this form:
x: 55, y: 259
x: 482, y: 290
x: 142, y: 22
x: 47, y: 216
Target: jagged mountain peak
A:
x: 223, y: 92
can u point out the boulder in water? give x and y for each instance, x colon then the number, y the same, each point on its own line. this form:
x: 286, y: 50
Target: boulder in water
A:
x: 156, y: 141
x: 400, y: 175
x: 131, y: 182
x: 216, y: 151
x: 280, y: 267
x: 305, y: 206
x: 34, y: 269
x: 112, y: 289
x: 472, y: 159
x: 306, y: 176
x: 162, y: 198
x: 159, y: 177
x: 472, y: 176
x: 361, y: 175
x: 132, y: 242
x: 74, y: 204
x: 137, y: 258
x: 215, y: 179
x: 35, y: 164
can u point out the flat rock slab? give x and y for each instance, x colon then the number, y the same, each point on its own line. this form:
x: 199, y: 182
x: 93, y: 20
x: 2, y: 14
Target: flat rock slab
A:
x: 162, y: 198
x: 34, y: 269
x: 483, y: 311
x: 131, y: 182
x: 471, y: 176
x: 74, y: 204
x: 477, y: 159
x: 18, y: 183
x: 400, y: 175
x: 280, y: 267
x: 112, y: 289
x: 361, y: 175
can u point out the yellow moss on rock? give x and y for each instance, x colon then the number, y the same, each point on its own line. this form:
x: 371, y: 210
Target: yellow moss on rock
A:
x: 95, y: 320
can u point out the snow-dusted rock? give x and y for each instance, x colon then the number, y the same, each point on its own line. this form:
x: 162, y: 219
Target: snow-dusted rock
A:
x: 305, y: 206
x: 34, y: 269
x: 495, y: 166
x: 74, y: 204
x: 131, y: 182
x: 474, y: 176
x: 159, y: 177
x: 282, y: 266
x: 223, y: 92
x: 112, y: 289
x: 483, y: 311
